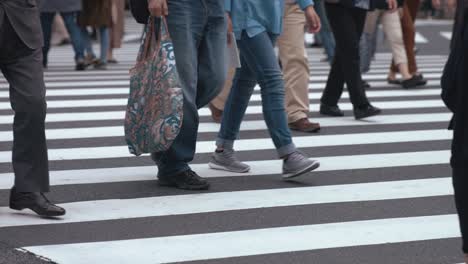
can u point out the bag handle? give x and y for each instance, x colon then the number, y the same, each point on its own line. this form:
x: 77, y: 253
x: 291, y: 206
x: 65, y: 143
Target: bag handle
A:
x: 151, y: 39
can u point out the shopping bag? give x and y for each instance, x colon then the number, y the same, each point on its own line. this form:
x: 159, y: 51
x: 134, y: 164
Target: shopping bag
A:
x: 155, y: 105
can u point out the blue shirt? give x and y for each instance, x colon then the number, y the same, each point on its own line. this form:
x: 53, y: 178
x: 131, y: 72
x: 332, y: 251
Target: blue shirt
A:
x: 257, y: 16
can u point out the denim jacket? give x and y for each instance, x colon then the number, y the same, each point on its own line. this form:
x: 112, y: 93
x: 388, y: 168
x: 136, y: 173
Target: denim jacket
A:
x: 257, y: 16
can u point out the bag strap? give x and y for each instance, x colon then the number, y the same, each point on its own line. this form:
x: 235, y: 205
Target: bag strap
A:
x: 151, y: 38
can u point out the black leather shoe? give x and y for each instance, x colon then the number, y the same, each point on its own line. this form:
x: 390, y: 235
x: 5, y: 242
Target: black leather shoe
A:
x: 413, y: 82
x: 330, y: 110
x: 186, y: 180
x: 35, y: 201
x: 366, y: 111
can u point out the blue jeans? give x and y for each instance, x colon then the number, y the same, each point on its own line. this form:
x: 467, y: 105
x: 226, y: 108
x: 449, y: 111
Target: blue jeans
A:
x: 326, y: 34
x: 198, y: 32
x: 259, y: 65
x: 69, y: 18
x: 104, y: 39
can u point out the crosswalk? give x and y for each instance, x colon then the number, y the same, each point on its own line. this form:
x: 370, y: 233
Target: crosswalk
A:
x: 382, y: 195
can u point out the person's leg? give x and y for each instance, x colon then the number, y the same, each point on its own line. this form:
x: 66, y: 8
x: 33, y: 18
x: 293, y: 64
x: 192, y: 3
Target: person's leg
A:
x: 392, y: 28
x: 73, y: 29
x: 47, y: 19
x: 365, y: 49
x: 22, y: 68
x: 408, y: 30
x: 87, y: 43
x: 104, y: 41
x: 348, y: 25
x: 187, y: 23
x: 295, y: 64
x: 216, y: 105
x: 325, y: 32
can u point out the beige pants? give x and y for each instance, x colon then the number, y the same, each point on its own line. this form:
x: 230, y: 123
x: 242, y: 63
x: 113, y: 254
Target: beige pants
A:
x: 293, y: 57
x: 392, y: 27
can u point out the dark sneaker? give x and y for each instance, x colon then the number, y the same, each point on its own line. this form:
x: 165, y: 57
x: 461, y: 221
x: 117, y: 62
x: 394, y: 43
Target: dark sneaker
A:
x: 80, y: 65
x: 413, y: 82
x: 186, y: 180
x: 330, y: 110
x: 366, y: 111
x: 227, y: 160
x: 296, y: 164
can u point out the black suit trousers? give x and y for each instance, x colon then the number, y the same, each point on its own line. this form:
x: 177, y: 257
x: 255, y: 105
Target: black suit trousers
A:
x: 347, y: 24
x: 22, y: 67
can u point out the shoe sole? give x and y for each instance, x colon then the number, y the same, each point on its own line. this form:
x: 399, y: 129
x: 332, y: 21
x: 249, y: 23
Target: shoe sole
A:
x: 17, y: 208
x: 315, y: 130
x: 215, y: 166
x: 309, y: 168
x: 368, y: 115
x: 184, y: 186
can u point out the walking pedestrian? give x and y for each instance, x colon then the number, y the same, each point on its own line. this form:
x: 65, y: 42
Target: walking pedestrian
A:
x: 455, y: 95
x: 198, y: 32
x: 347, y: 20
x: 293, y: 57
x: 68, y: 10
x: 96, y: 14
x: 392, y: 28
x: 408, y: 18
x: 21, y: 64
x: 325, y: 32
x: 256, y: 40
x: 117, y: 29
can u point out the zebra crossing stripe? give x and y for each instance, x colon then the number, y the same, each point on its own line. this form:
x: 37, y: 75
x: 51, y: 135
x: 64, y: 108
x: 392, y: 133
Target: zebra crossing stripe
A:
x: 263, y: 167
x: 255, y: 242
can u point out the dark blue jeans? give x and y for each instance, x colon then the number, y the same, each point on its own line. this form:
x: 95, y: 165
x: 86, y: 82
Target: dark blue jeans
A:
x: 69, y: 18
x: 198, y: 31
x: 259, y: 65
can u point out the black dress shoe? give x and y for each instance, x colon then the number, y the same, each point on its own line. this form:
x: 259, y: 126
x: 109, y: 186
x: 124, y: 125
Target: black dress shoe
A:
x: 366, y: 111
x: 186, y: 180
x: 330, y: 110
x: 35, y: 201
x: 413, y: 82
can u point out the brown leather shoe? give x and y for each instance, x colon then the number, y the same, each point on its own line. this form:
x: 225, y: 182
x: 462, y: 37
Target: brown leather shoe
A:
x: 216, y: 114
x: 304, y: 125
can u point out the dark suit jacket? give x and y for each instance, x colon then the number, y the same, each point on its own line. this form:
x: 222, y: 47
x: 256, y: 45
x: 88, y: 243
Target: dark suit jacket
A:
x: 24, y: 17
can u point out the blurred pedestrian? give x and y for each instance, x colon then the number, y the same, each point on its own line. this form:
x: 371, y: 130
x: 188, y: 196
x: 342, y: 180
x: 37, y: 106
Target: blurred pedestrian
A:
x: 325, y: 33
x: 293, y: 57
x: 20, y: 62
x: 117, y: 29
x: 60, y: 35
x: 96, y: 14
x: 392, y: 28
x: 408, y: 18
x: 347, y: 20
x: 256, y: 42
x: 198, y: 32
x: 216, y: 106
x: 68, y: 10
x: 455, y: 95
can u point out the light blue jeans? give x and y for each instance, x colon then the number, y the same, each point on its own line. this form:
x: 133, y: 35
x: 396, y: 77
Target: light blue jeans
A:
x: 104, y: 39
x: 326, y: 34
x: 198, y: 31
x: 259, y: 65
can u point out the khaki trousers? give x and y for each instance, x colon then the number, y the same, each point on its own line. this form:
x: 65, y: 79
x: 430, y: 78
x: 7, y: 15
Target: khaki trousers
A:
x: 293, y: 57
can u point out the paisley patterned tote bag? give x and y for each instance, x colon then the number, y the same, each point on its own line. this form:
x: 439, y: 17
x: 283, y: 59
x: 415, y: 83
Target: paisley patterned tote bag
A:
x: 155, y: 105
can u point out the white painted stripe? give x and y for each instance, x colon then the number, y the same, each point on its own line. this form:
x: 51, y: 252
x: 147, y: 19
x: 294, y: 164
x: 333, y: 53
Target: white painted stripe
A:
x: 254, y: 242
x: 419, y: 38
x: 123, y: 75
x: 255, y: 98
x: 446, y: 34
x: 265, y: 167
x: 101, y: 210
x: 374, y: 76
x: 119, y: 115
x: 121, y: 151
x: 118, y: 131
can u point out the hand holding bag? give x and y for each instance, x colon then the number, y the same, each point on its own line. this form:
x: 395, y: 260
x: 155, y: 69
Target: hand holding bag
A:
x: 155, y: 106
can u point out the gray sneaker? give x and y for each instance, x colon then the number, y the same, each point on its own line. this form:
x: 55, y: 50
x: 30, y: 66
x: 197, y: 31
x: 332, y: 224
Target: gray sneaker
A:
x: 297, y: 164
x: 227, y: 161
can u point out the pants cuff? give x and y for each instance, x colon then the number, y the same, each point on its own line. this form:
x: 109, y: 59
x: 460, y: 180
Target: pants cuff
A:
x: 286, y: 150
x: 225, y: 143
